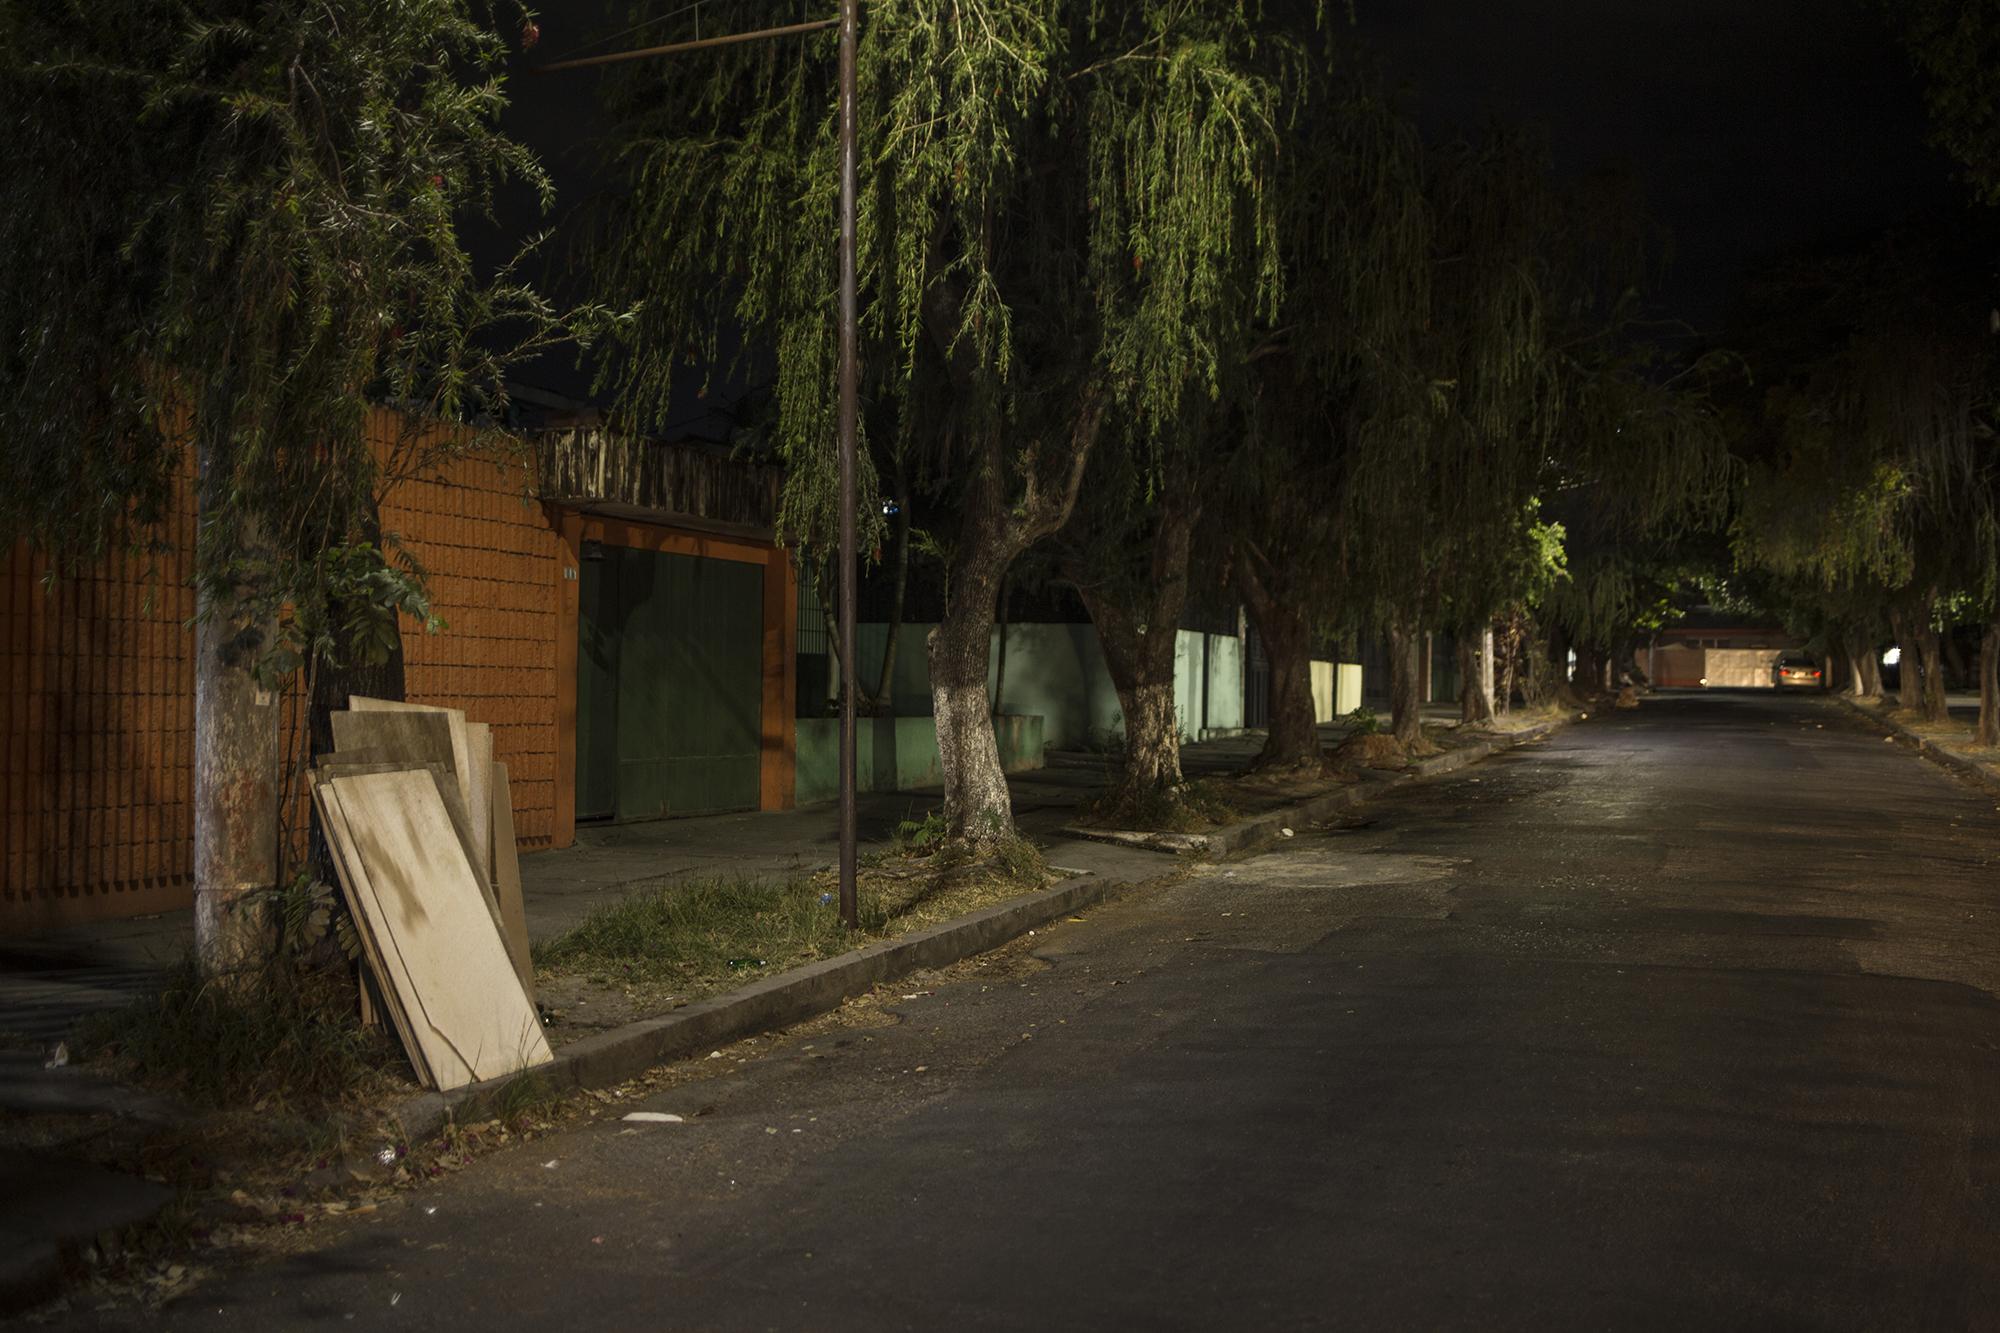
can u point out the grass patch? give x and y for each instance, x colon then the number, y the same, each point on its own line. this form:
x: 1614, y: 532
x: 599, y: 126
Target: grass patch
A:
x: 289, y: 1036
x: 1188, y: 808
x: 706, y: 935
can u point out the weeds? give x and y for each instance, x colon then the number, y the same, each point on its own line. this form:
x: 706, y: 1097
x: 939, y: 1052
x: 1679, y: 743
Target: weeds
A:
x: 706, y: 935
x: 1187, y: 808
x: 288, y: 1034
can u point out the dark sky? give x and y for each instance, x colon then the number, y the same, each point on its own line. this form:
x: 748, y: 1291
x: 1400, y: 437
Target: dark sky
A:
x: 1755, y: 126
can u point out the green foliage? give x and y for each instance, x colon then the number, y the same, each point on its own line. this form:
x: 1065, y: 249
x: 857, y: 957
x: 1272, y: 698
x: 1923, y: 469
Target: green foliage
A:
x: 1873, y: 484
x: 919, y: 837
x: 1365, y: 721
x: 1060, y: 201
x: 232, y: 225
x: 1955, y: 47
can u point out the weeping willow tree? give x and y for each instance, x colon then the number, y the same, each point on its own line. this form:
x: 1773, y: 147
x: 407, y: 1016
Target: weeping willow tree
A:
x: 1448, y: 455
x: 1357, y: 240
x: 1954, y: 46
x: 1062, y: 217
x: 1640, y: 468
x: 231, y: 225
x: 1886, y: 423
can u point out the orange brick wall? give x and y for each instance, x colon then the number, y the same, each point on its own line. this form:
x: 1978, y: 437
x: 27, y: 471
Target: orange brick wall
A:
x: 97, y: 733
x: 97, y: 690
x: 495, y: 568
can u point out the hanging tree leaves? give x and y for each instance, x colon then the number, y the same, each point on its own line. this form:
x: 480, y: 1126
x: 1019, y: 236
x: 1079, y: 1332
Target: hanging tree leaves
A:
x: 1062, y: 215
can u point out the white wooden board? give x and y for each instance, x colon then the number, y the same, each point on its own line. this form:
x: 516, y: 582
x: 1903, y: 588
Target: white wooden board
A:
x: 479, y: 794
x: 507, y: 881
x: 347, y: 869
x: 471, y: 752
x: 441, y: 953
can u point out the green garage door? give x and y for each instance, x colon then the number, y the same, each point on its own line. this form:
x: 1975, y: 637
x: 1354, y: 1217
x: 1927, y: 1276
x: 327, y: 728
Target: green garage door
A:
x: 669, y: 689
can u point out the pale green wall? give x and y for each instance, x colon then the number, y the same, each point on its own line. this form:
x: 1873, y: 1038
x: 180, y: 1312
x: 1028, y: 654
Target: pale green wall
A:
x: 1057, y: 673
x: 897, y: 753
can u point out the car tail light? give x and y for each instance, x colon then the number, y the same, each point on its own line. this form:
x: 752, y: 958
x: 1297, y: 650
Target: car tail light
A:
x: 1815, y: 675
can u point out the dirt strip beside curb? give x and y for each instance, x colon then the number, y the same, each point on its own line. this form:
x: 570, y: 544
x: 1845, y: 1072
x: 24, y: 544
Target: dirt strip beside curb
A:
x: 790, y: 997
x: 1925, y: 746
x: 807, y: 992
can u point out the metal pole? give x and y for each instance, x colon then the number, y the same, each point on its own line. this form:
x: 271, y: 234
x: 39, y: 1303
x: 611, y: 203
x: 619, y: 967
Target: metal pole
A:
x: 850, y: 410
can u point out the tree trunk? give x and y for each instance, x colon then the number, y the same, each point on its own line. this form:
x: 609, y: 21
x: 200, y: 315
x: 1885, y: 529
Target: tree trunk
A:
x: 1988, y: 732
x: 1871, y: 671
x: 1954, y: 660
x: 884, y: 701
x: 1138, y: 643
x: 1406, y: 646
x: 1000, y: 653
x: 328, y: 690
x: 236, y: 763
x: 1292, y: 736
x: 1508, y: 647
x: 995, y: 528
x: 1931, y: 700
x: 831, y: 624
x: 1908, y: 673
x: 977, y: 805
x: 1474, y: 703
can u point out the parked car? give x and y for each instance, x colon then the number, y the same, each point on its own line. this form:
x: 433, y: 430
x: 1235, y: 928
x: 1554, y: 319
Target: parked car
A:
x: 1795, y: 671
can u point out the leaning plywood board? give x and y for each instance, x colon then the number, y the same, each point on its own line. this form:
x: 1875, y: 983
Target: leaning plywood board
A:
x: 507, y: 881
x: 335, y: 765
x: 420, y: 738
x: 479, y: 792
x: 347, y: 868
x: 468, y: 757
x: 467, y: 1009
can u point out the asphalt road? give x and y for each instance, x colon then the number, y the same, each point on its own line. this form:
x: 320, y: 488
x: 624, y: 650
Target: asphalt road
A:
x: 1681, y: 1018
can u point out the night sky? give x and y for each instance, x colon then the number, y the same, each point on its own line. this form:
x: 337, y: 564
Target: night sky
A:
x: 1754, y: 126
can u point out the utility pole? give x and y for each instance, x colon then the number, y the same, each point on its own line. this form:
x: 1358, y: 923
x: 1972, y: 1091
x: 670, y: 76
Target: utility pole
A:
x: 850, y: 384
x: 850, y: 412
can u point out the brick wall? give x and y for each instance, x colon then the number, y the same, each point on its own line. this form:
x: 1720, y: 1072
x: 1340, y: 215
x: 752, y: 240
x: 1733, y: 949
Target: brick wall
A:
x: 97, y: 689
x: 97, y: 733
x: 494, y: 565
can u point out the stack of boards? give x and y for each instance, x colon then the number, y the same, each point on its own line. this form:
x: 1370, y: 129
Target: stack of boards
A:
x: 421, y: 825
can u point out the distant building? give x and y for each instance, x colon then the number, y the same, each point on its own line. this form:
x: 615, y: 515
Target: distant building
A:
x: 1710, y: 650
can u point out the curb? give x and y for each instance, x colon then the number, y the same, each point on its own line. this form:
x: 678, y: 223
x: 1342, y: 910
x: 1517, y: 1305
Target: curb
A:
x: 1267, y: 828
x: 788, y: 998
x: 1925, y: 746
x: 817, y: 988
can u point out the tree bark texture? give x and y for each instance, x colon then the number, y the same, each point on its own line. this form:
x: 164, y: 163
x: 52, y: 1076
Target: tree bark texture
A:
x: 995, y: 528
x: 1931, y: 701
x: 1988, y: 730
x: 1292, y: 736
x: 236, y: 767
x: 1406, y: 647
x: 884, y: 701
x: 1871, y: 673
x: 1474, y: 704
x: 328, y: 693
x: 1138, y: 642
x: 1908, y: 672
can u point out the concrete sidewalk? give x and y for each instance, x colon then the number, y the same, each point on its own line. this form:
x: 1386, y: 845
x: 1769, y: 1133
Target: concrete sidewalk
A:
x: 50, y: 979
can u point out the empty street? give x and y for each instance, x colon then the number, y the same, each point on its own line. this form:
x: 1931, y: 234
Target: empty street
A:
x: 1682, y: 1017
